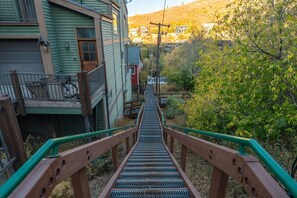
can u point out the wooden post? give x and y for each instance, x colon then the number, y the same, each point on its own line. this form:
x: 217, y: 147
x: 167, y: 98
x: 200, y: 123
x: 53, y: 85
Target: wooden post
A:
x: 18, y: 91
x: 134, y: 138
x: 219, y: 182
x: 80, y: 183
x: 183, y: 157
x: 85, y: 93
x: 11, y: 131
x: 82, y: 94
x: 171, y: 144
x: 128, y: 145
x: 115, y: 157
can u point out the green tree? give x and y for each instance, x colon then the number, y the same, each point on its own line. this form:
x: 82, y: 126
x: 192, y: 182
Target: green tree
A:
x: 250, y: 88
x: 180, y: 65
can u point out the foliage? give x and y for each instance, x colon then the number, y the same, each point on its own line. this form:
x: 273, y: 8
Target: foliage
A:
x: 180, y: 65
x: 173, y: 107
x: 249, y: 88
x: 63, y: 190
x: 193, y: 15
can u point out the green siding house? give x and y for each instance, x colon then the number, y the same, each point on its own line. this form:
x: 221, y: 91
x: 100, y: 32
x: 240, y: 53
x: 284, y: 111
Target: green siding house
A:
x: 64, y: 63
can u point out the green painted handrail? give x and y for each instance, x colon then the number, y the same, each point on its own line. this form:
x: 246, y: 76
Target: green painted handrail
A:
x: 51, y: 144
x: 280, y: 173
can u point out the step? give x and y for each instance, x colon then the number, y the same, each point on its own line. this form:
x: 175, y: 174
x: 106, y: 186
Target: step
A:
x: 150, y: 169
x: 153, y: 192
x: 150, y: 183
x: 135, y: 175
x: 149, y: 164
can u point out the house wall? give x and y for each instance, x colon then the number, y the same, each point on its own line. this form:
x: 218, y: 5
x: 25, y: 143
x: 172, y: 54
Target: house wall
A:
x: 134, y: 77
x: 66, y: 22
x: 52, y: 36
x: 99, y: 6
x: 32, y: 31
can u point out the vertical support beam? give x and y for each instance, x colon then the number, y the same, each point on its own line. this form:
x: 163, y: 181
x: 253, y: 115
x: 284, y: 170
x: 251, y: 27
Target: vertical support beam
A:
x: 115, y: 157
x: 87, y: 92
x: 18, y: 91
x: 183, y: 157
x: 82, y: 94
x: 171, y: 144
x: 80, y: 183
x: 134, y: 138
x: 219, y: 182
x: 128, y: 145
x: 46, y: 55
x: 11, y: 131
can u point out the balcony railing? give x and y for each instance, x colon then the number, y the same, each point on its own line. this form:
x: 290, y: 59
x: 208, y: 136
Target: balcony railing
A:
x: 17, y: 11
x: 80, y: 87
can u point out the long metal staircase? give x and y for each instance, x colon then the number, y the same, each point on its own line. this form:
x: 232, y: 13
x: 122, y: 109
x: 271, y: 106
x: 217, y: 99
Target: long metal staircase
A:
x: 150, y: 171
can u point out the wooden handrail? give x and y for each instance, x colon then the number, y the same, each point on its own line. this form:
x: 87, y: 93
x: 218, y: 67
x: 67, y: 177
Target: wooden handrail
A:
x: 246, y: 170
x: 51, y: 171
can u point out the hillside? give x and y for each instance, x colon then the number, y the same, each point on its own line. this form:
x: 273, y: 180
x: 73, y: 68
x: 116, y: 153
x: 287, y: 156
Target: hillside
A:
x: 193, y: 15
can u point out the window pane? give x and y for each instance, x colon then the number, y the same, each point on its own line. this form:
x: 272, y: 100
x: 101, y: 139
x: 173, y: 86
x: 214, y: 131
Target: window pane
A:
x: 92, y: 47
x: 85, y: 47
x: 86, y: 33
x: 93, y: 56
x: 86, y: 57
x: 115, y: 23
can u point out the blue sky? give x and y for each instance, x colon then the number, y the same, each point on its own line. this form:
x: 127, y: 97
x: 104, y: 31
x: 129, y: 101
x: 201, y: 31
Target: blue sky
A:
x: 147, y: 6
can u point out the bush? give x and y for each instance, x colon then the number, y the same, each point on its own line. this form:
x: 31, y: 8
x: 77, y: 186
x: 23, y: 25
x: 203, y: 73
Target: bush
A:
x: 173, y: 107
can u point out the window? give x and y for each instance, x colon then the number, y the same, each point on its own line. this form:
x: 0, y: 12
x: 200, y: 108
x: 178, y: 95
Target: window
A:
x: 133, y: 70
x: 115, y: 23
x: 86, y: 33
x: 87, y: 48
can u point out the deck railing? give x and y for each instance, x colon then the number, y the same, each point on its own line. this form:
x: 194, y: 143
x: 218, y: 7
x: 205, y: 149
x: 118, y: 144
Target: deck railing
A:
x: 17, y: 11
x: 49, y: 86
x: 96, y: 79
x: 6, y: 87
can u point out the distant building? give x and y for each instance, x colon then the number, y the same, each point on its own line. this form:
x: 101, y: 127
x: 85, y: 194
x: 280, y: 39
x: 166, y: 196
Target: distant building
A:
x: 143, y: 31
x: 133, y: 32
x: 135, y: 65
x: 181, y: 29
x: 208, y: 26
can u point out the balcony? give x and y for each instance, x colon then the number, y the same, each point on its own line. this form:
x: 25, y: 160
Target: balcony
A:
x: 17, y: 11
x: 54, y: 93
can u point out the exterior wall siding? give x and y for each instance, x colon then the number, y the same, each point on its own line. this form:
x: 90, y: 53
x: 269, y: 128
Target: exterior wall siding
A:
x: 51, y: 29
x: 66, y: 22
x: 96, y: 5
x: 19, y: 30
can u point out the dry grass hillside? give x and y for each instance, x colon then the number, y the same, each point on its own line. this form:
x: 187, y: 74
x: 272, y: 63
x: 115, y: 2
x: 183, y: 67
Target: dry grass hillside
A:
x: 193, y: 15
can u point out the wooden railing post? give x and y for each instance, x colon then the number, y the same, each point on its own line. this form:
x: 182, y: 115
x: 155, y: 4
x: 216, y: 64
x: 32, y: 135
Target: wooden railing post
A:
x: 128, y: 145
x: 85, y: 93
x: 219, y: 182
x: 11, y: 132
x: 115, y: 157
x: 80, y: 183
x: 134, y: 138
x: 183, y: 157
x: 18, y: 91
x: 171, y: 144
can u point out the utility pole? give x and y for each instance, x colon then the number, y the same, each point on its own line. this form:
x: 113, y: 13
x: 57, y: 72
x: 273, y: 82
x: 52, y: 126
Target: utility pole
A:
x: 158, y: 53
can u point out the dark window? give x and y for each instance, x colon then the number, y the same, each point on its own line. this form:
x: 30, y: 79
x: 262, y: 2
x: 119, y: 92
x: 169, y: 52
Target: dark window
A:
x: 86, y: 33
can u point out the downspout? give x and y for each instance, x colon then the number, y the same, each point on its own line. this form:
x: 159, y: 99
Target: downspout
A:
x: 105, y: 76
